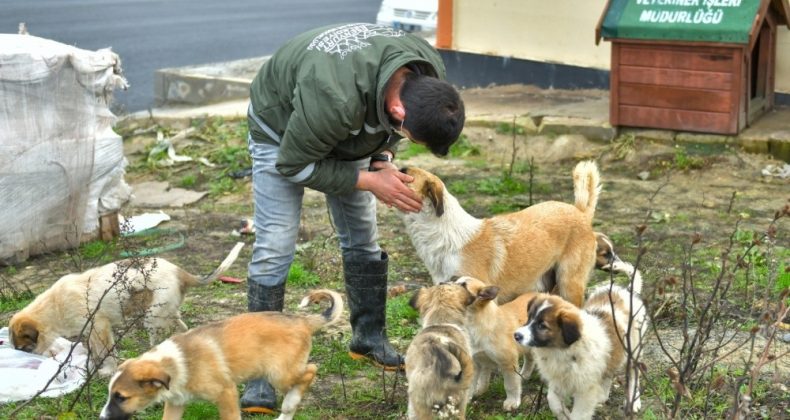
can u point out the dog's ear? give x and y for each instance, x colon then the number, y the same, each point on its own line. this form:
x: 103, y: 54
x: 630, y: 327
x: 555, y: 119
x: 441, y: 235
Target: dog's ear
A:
x: 150, y: 375
x: 569, y: 325
x: 433, y: 191
x: 470, y: 298
x: 488, y: 293
x: 416, y: 301
x: 531, y: 303
x: 156, y: 383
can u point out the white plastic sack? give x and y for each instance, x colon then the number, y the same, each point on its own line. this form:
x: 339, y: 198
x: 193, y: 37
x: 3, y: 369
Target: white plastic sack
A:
x: 61, y: 164
x: 24, y: 374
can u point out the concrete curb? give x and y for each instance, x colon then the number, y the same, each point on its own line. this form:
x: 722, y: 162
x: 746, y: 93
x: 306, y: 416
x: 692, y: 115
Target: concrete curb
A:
x: 206, y: 83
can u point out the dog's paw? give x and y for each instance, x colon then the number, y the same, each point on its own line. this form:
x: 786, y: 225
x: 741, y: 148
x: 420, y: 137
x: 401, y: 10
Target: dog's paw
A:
x: 637, y: 405
x: 511, y: 404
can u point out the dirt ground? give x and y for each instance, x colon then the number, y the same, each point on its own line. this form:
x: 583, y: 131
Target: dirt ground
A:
x: 702, y: 189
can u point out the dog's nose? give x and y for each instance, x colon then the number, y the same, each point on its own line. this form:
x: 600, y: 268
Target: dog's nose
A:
x: 518, y: 336
x: 404, y: 169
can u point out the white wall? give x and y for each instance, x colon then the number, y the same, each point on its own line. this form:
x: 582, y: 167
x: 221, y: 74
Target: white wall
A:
x: 557, y: 31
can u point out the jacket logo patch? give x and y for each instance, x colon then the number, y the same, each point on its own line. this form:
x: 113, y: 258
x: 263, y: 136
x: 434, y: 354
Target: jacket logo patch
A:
x: 346, y: 39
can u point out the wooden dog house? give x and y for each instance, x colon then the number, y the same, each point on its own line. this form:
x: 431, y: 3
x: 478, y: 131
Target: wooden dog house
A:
x: 691, y: 65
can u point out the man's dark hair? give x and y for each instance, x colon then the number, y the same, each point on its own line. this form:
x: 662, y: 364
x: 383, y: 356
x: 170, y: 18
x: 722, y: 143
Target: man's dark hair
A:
x: 434, y: 111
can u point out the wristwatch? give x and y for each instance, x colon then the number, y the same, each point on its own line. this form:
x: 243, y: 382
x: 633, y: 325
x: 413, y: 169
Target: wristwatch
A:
x: 381, y: 157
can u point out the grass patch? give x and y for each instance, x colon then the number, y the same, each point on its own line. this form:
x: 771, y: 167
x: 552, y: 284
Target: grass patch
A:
x: 684, y: 162
x: 461, y: 187
x: 299, y: 276
x: 332, y: 357
x: 188, y: 181
x: 499, y: 208
x: 507, y: 128
x: 15, y: 301
x: 411, y: 150
x: 463, y: 148
x: 623, y: 145
x: 98, y: 251
x: 504, y: 185
x: 402, y: 319
x: 223, y: 186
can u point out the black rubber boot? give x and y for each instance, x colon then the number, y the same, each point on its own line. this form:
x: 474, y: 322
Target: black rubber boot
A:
x: 366, y: 292
x: 259, y: 395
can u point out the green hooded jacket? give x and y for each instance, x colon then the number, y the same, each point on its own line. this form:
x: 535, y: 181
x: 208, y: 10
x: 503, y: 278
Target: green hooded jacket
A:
x: 322, y: 94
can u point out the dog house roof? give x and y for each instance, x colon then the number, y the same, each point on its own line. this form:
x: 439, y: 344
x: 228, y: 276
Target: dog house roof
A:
x: 716, y: 21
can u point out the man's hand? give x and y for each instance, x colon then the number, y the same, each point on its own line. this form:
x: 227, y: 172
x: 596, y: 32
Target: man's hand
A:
x: 388, y: 184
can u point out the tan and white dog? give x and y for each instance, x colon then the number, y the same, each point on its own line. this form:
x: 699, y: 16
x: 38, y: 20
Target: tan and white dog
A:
x: 118, y: 293
x: 607, y: 260
x: 490, y: 328
x: 512, y: 251
x: 208, y: 362
x: 578, y: 352
x: 439, y: 365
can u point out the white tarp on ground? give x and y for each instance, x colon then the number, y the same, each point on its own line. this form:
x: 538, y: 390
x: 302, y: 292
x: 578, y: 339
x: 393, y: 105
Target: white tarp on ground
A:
x: 61, y: 164
x: 25, y: 374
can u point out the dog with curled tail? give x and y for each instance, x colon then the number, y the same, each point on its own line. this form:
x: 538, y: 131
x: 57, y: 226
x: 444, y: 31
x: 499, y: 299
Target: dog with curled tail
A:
x: 513, y: 251
x: 439, y: 365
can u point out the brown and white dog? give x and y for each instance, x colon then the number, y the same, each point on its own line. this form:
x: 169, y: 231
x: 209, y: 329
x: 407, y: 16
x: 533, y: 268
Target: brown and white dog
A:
x: 490, y: 328
x: 578, y: 352
x: 439, y: 365
x: 208, y: 362
x: 116, y: 293
x: 512, y: 251
x: 607, y: 260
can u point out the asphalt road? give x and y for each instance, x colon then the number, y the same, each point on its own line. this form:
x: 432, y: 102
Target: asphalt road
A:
x: 153, y: 34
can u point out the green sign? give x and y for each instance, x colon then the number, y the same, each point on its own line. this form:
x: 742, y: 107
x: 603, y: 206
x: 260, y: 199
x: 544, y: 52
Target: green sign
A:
x: 724, y: 21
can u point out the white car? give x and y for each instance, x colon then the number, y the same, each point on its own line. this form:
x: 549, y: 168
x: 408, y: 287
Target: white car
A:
x: 409, y: 15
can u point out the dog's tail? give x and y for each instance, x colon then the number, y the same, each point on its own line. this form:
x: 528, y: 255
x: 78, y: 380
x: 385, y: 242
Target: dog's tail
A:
x: 451, y: 370
x: 331, y: 315
x: 226, y: 263
x: 586, y: 187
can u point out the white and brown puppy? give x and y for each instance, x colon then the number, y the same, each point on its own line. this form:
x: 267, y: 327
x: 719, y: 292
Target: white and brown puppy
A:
x: 512, y: 251
x: 490, y: 328
x: 578, y: 352
x: 604, y: 252
x: 118, y: 293
x: 439, y: 365
x: 210, y: 361
x: 607, y: 260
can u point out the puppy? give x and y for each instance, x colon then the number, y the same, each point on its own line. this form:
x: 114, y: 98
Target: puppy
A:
x: 607, y: 260
x: 604, y: 252
x: 117, y: 293
x: 490, y: 328
x: 579, y: 351
x: 210, y: 361
x: 511, y: 251
x: 439, y: 365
